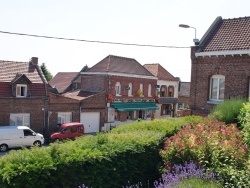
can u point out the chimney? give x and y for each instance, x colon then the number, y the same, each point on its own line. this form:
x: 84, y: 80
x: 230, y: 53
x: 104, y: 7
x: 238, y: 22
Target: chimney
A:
x: 34, y: 60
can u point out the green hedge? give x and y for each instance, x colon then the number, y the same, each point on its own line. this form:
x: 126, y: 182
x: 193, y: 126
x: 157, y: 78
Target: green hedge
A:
x: 126, y: 155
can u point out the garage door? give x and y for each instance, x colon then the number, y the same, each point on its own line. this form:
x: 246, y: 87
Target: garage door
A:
x: 91, y: 121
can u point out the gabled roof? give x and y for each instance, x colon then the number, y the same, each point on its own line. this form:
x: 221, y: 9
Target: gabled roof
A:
x: 158, y: 71
x: 184, y: 89
x: 117, y: 64
x: 62, y: 80
x: 227, y: 35
x: 10, y: 69
x: 21, y: 76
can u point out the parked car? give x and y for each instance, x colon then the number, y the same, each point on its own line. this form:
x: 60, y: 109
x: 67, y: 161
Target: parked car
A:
x: 68, y: 131
x: 18, y: 136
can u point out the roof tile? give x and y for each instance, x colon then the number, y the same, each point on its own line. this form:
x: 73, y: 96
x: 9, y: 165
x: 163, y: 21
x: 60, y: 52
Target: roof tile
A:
x: 158, y: 71
x: 9, y: 70
x: 230, y: 34
x: 119, y: 64
x: 62, y: 80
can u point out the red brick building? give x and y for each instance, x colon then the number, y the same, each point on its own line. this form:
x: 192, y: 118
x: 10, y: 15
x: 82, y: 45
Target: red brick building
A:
x: 220, y: 64
x: 23, y: 94
x: 113, y: 91
x: 129, y: 88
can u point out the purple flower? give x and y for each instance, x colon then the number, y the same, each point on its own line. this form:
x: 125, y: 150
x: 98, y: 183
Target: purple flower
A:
x: 179, y: 172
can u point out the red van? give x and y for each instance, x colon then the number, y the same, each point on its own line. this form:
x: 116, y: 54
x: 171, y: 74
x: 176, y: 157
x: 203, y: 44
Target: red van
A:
x: 68, y: 131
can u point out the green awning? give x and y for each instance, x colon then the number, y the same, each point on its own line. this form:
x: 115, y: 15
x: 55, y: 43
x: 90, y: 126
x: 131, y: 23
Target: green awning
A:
x: 130, y: 106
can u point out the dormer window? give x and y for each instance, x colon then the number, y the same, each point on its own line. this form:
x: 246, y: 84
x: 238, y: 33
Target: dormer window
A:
x: 21, y: 90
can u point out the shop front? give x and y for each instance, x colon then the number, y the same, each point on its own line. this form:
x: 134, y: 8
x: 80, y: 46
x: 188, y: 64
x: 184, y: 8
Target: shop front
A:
x: 134, y: 110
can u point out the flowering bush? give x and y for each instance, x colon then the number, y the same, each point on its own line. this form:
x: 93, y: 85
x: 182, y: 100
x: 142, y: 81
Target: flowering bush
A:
x: 187, y: 171
x: 211, y: 144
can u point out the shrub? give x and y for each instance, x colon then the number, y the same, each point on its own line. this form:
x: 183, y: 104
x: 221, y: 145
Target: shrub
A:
x: 244, y: 119
x: 127, y: 153
x: 227, y: 111
x: 212, y: 144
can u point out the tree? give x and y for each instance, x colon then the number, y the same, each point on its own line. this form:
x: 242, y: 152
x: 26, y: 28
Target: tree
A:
x: 46, y: 73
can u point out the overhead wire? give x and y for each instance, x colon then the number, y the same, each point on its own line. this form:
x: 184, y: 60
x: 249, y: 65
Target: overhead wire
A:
x: 93, y: 41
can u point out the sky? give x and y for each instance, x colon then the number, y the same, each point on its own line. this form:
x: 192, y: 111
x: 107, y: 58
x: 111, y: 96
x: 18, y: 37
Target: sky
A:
x: 145, y: 22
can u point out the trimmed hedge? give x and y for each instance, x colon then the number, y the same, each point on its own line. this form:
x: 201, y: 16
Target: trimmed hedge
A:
x: 127, y: 155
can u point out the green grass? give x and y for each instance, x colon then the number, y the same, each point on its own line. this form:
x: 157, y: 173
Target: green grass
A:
x: 198, y: 183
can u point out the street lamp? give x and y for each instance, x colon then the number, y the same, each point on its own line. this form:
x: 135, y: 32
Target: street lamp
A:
x: 195, y: 40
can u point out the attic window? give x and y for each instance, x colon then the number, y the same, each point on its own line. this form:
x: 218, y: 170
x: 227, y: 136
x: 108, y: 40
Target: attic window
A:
x: 21, y: 90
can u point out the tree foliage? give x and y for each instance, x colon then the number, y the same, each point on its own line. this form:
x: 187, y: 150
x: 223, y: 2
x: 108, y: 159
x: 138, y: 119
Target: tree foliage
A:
x: 46, y: 72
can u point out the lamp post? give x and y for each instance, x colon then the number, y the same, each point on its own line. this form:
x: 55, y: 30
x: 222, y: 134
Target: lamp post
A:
x: 195, y: 40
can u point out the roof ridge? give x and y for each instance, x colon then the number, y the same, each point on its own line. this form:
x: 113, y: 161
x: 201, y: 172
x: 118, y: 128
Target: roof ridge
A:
x: 14, y: 61
x: 237, y: 18
x: 116, y: 56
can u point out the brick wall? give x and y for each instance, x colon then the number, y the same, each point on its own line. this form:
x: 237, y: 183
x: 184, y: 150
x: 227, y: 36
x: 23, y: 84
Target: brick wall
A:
x: 27, y: 105
x: 236, y: 70
x: 93, y: 83
x: 95, y: 103
x: 124, y: 81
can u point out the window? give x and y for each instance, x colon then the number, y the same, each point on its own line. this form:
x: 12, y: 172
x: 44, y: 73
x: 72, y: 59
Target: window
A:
x: 80, y: 129
x: 21, y: 90
x: 163, y: 91
x: 130, y: 89
x: 141, y: 89
x: 64, y: 117
x: 149, y: 90
x: 217, y: 87
x: 118, y: 89
x: 28, y: 132
x: 171, y: 91
x: 74, y: 129
x: 20, y: 119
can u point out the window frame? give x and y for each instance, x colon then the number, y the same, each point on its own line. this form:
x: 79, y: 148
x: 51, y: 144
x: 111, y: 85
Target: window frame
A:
x: 141, y: 88
x: 149, y: 90
x: 19, y: 91
x: 20, y: 119
x: 130, y: 94
x: 62, y: 117
x: 118, y: 89
x: 170, y: 91
x: 218, y: 89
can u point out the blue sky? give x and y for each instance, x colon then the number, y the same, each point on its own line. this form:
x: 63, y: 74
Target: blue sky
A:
x: 132, y: 21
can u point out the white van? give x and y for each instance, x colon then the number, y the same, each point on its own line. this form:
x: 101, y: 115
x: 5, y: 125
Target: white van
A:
x: 18, y: 136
